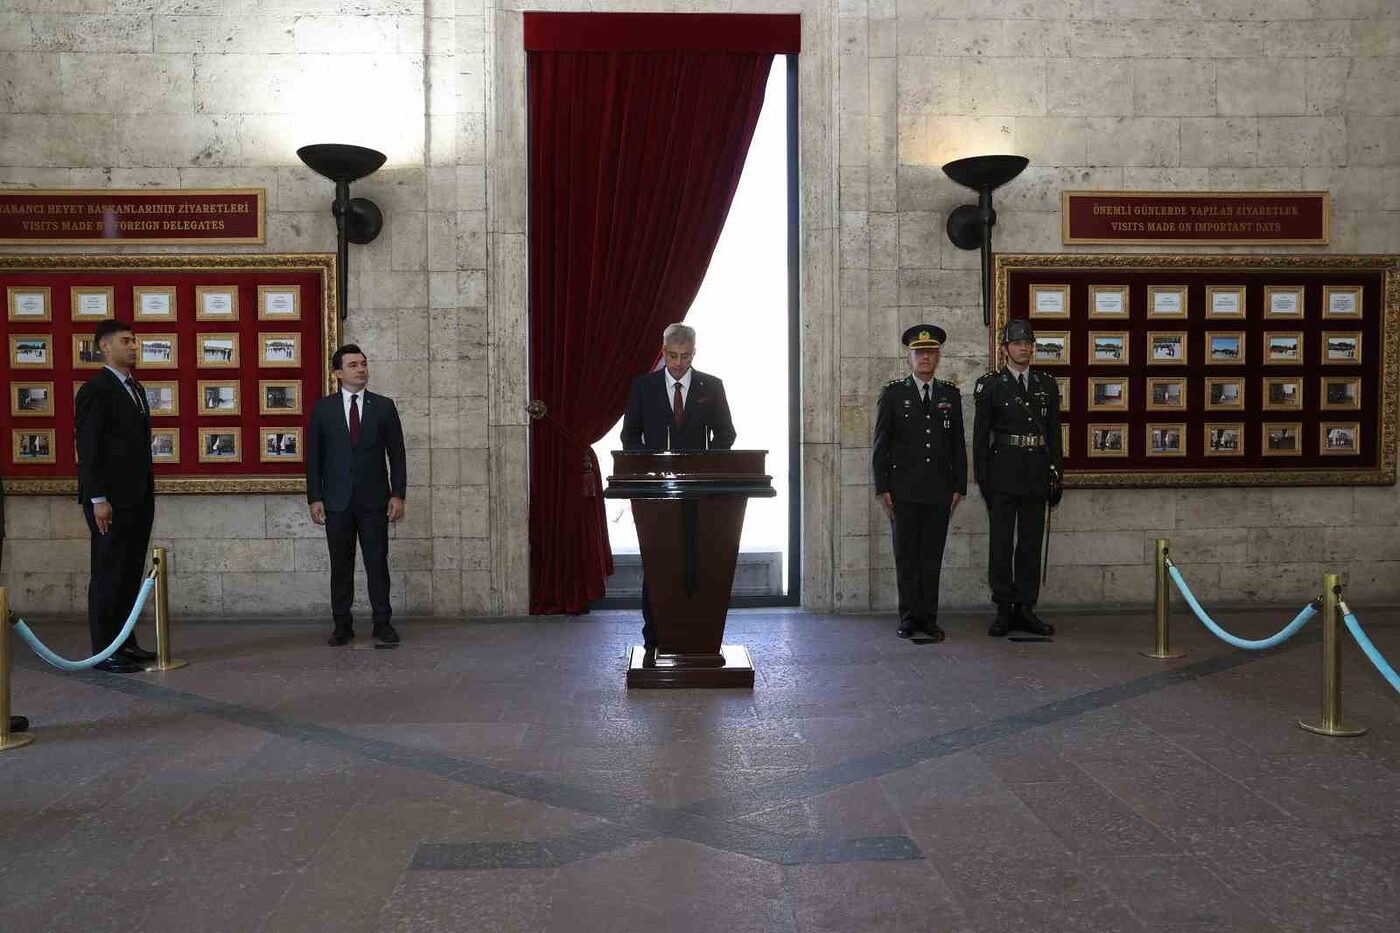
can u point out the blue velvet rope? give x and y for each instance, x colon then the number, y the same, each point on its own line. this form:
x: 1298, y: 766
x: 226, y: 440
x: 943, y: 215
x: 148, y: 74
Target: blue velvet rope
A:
x: 1278, y: 638
x: 43, y: 651
x: 1371, y: 651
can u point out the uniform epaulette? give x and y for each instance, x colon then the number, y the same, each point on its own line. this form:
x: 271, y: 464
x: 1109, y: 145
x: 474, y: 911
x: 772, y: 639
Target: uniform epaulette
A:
x: 951, y: 385
x: 893, y: 382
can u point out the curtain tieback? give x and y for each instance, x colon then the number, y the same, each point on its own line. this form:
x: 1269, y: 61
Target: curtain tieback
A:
x: 539, y: 412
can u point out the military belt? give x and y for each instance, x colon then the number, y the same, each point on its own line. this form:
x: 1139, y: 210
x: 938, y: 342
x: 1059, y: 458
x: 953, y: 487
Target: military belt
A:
x: 1019, y: 440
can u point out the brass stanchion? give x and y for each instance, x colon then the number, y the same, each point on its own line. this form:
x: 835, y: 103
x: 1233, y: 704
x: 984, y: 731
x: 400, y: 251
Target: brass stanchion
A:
x: 1331, y: 722
x: 163, y: 661
x: 7, y: 741
x: 1162, y: 650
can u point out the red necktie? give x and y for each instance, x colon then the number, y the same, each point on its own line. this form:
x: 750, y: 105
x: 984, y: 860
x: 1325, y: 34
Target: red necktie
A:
x: 678, y: 406
x: 354, y: 419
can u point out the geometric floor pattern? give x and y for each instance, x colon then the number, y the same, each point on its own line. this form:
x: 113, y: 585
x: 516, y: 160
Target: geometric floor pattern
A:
x: 497, y: 775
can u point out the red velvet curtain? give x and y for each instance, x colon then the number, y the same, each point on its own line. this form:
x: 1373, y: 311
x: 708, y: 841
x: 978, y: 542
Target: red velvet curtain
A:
x: 634, y: 159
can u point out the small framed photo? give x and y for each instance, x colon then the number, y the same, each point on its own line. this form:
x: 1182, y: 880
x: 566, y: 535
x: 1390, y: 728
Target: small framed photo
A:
x: 217, y: 351
x: 1050, y: 301
x: 219, y: 445
x: 1108, y: 440
x: 91, y: 302
x: 1339, y: 439
x: 218, y: 397
x: 1166, y: 301
x: 165, y: 445
x: 1283, y: 393
x: 1225, y: 301
x: 153, y: 302
x: 156, y: 351
x: 1339, y: 393
x: 1108, y: 348
x: 1224, y: 439
x: 31, y: 399
x: 85, y: 352
x: 1283, y: 301
x: 1283, y: 347
x: 1341, y: 301
x: 1224, y: 394
x: 279, y: 303
x: 1108, y: 301
x: 31, y: 351
x: 29, y: 303
x: 1062, y: 387
x: 1166, y: 393
x: 1051, y: 348
x: 1341, y: 348
x: 279, y: 350
x: 279, y: 397
x: 1108, y: 394
x: 163, y: 398
x: 216, y: 303
x: 1166, y: 348
x: 1166, y: 440
x: 32, y: 445
x: 1064, y: 439
x: 280, y: 445
x: 1225, y: 348
x: 1280, y: 439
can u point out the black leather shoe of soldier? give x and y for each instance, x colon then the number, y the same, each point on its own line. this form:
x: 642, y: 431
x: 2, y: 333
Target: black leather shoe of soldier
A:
x: 19, y: 724
x: 934, y: 633
x: 385, y: 634
x: 1028, y: 621
x: 907, y: 628
x: 1002, y: 623
x: 342, y: 635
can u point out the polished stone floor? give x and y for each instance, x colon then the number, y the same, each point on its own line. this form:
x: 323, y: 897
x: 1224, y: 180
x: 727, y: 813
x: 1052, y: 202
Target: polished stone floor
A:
x: 496, y: 776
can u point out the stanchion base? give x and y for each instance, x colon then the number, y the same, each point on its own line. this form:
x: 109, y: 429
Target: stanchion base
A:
x: 155, y: 667
x: 1162, y: 655
x: 15, y: 741
x: 1343, y: 730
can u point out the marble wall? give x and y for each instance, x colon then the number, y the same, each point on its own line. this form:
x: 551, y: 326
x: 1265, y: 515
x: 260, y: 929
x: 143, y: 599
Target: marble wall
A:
x: 1213, y: 94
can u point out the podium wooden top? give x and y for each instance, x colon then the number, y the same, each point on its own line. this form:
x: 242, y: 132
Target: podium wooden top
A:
x: 641, y: 474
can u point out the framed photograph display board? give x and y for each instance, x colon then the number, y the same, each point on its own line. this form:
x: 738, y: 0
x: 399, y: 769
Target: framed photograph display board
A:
x: 198, y: 448
x: 1277, y: 370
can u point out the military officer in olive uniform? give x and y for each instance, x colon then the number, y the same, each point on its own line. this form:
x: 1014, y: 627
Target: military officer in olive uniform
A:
x: 920, y: 465
x: 1017, y: 460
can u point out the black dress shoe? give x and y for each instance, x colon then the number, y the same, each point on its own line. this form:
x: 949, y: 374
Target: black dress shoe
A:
x: 384, y: 632
x: 1027, y: 621
x: 934, y: 633
x: 1002, y: 623
x: 907, y: 628
x: 342, y: 635
x: 19, y: 724
x: 134, y: 652
x: 117, y: 664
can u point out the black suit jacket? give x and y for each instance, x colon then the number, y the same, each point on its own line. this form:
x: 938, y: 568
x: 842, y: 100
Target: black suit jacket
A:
x: 649, y: 424
x: 114, y: 443
x: 364, y: 475
x: 919, y: 454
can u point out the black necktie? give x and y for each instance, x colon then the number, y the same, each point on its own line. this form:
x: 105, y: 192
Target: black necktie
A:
x: 1021, y: 381
x: 927, y: 397
x: 135, y: 395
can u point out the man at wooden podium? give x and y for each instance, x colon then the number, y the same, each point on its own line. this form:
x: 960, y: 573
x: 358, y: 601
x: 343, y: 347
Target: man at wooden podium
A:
x: 676, y: 407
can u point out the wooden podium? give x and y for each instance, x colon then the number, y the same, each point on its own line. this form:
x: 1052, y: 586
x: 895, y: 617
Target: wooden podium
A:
x: 689, y: 510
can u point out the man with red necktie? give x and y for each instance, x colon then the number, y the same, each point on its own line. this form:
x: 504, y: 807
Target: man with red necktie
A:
x: 356, y: 480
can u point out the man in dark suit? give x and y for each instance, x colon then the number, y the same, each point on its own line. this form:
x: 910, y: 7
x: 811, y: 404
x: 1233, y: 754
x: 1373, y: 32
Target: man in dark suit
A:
x: 356, y: 481
x: 919, y: 459
x: 676, y: 407
x: 116, y: 486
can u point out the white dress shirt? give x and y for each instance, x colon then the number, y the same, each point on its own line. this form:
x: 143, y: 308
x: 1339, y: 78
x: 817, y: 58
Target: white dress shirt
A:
x: 345, y: 396
x: 920, y: 385
x: 683, y: 382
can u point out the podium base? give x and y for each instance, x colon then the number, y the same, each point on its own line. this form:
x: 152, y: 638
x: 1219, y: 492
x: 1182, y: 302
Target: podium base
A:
x: 679, y: 670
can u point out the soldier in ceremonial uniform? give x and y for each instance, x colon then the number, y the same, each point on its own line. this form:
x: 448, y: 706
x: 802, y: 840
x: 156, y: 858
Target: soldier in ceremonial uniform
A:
x: 920, y: 465
x: 1017, y: 460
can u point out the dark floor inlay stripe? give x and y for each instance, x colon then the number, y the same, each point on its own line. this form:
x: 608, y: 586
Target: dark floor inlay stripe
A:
x: 708, y: 822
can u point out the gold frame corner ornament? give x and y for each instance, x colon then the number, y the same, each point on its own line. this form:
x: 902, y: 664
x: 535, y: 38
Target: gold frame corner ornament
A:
x: 323, y: 264
x: 1382, y: 473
